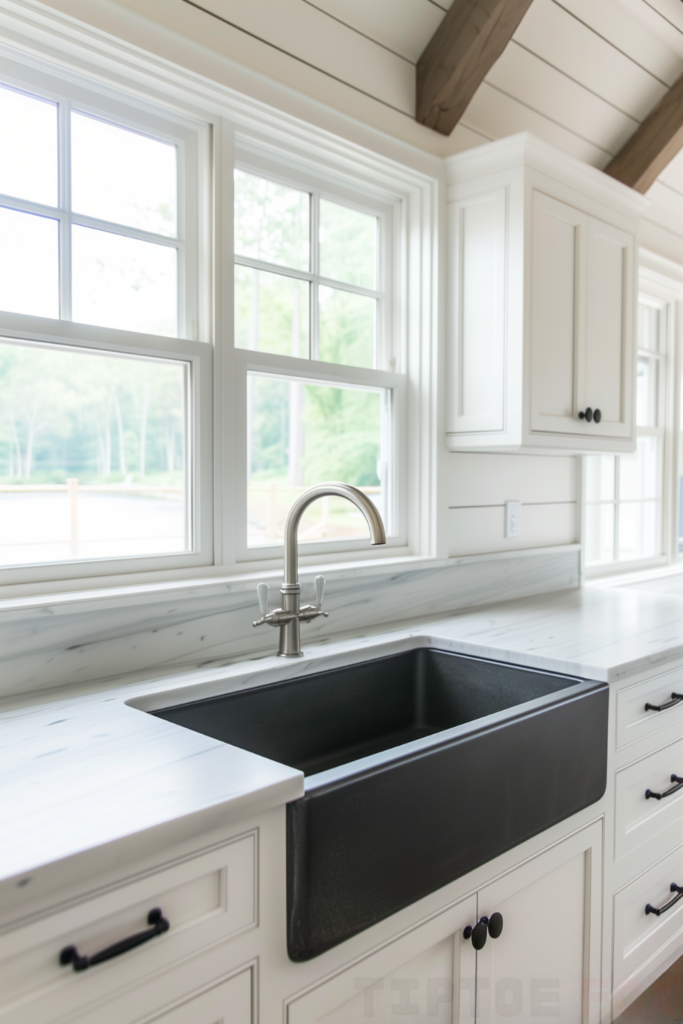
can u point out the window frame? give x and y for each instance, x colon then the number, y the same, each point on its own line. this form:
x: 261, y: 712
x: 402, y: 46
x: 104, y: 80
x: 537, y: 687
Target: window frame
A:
x: 191, y: 138
x: 309, y: 176
x: 108, y: 66
x: 664, y: 294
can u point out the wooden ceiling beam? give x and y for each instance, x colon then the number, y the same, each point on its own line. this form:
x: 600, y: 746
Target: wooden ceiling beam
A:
x: 653, y: 145
x: 466, y: 45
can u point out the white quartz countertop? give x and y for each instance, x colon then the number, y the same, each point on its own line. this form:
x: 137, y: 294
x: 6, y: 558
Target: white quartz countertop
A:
x: 81, y: 772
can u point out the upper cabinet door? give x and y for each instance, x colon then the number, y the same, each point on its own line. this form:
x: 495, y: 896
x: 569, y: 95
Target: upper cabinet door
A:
x: 557, y: 322
x: 607, y: 352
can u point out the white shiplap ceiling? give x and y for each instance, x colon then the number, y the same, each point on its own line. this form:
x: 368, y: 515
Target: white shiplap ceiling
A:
x: 581, y: 74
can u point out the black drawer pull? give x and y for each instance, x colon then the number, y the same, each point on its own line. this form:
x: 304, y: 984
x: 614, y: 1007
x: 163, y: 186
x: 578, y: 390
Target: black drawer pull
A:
x: 649, y: 909
x: 667, y: 792
x: 70, y: 954
x: 676, y: 698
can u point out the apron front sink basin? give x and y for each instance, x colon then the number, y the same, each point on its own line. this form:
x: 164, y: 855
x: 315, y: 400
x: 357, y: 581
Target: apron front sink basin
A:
x: 420, y: 766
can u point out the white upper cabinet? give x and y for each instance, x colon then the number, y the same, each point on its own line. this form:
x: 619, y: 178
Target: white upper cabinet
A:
x: 542, y: 292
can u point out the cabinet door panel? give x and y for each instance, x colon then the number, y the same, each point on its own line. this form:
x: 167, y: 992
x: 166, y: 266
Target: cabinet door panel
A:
x: 426, y: 975
x: 476, y: 369
x: 557, y: 287
x: 607, y: 357
x: 541, y: 965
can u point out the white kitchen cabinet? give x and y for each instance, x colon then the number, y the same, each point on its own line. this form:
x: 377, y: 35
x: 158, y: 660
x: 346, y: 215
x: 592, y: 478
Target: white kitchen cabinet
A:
x: 542, y: 275
x: 229, y: 1002
x: 428, y: 974
x: 540, y: 966
x: 208, y: 898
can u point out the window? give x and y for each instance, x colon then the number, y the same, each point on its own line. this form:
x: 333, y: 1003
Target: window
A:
x: 99, y: 312
x: 201, y: 315
x: 627, y: 495
x: 311, y: 310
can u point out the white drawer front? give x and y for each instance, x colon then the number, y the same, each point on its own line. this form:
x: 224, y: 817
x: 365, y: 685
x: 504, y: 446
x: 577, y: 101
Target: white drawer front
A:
x: 223, y: 1002
x: 227, y: 1003
x: 638, y: 819
x: 634, y: 722
x: 205, y: 899
x: 642, y: 941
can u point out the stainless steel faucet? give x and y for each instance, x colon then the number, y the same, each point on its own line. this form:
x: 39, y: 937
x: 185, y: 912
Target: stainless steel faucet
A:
x: 291, y: 614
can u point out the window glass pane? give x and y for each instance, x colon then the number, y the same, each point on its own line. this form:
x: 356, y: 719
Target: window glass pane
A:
x: 271, y: 312
x: 649, y: 327
x: 301, y: 434
x: 28, y: 150
x: 348, y: 245
x: 639, y: 532
x: 123, y: 282
x: 29, y: 263
x: 92, y: 455
x: 639, y: 473
x: 600, y: 477
x: 599, y: 533
x: 122, y: 176
x: 272, y: 221
x: 646, y: 392
x: 347, y: 327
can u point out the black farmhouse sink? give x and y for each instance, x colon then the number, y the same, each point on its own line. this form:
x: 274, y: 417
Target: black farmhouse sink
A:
x: 419, y: 766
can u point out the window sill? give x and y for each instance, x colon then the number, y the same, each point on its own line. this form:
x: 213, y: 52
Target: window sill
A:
x: 629, y: 575
x: 114, y: 592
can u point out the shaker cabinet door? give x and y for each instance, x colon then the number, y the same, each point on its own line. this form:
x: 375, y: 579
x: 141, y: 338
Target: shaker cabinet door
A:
x: 607, y: 354
x: 557, y: 321
x: 428, y: 974
x: 543, y: 963
x: 581, y: 324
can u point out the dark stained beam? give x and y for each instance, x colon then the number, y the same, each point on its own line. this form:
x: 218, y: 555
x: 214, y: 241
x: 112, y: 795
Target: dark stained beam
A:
x: 466, y: 45
x: 653, y: 145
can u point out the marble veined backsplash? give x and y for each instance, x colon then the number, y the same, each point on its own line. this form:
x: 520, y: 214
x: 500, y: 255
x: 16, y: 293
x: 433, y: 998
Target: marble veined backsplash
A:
x: 75, y: 639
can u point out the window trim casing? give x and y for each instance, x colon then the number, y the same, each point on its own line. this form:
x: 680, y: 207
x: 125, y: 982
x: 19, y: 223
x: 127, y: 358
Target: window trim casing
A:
x: 182, y: 87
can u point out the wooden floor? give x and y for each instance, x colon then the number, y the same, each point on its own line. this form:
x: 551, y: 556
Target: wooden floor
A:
x: 662, y: 1003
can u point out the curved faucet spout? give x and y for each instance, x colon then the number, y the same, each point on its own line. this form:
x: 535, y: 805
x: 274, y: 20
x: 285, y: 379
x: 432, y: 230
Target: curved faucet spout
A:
x: 335, y: 490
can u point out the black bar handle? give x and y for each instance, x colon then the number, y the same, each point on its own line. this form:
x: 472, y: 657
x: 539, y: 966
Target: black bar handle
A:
x: 667, y: 792
x: 649, y: 909
x: 70, y: 954
x: 676, y: 698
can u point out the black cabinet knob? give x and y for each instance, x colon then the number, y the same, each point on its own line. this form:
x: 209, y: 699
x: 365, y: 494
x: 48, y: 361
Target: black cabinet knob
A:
x: 496, y: 925
x: 486, y: 926
x: 590, y: 415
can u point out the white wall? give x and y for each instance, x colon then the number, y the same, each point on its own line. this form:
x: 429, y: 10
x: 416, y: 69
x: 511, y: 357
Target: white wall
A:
x: 479, y: 485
